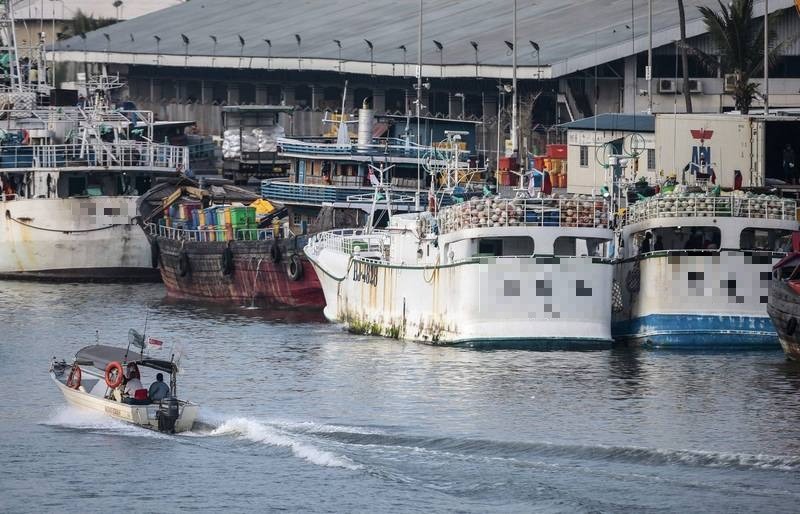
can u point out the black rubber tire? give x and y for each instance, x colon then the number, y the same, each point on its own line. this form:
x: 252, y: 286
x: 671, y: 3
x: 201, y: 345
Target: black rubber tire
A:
x: 183, y: 264
x: 227, y: 261
x: 275, y: 253
x: 155, y: 254
x: 294, y: 268
x: 791, y: 326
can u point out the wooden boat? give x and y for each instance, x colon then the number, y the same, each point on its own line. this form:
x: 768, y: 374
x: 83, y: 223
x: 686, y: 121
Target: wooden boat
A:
x: 783, y: 303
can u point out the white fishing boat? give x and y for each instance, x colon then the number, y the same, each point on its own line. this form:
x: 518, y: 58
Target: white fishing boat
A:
x: 94, y: 381
x: 702, y: 279
x: 491, y: 271
x: 70, y: 177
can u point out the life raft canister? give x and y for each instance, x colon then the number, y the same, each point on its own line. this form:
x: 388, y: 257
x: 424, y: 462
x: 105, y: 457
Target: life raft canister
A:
x: 74, y: 378
x: 114, y: 374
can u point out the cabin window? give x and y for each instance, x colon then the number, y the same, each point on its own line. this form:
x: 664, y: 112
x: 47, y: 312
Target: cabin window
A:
x: 584, y: 156
x: 567, y: 246
x: 677, y: 238
x: 651, y: 159
x: 76, y: 186
x: 505, y: 247
x: 765, y: 239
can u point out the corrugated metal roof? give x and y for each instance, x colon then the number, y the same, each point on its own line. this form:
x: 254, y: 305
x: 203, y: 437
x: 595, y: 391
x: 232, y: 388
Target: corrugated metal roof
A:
x: 617, y: 122
x: 571, y: 34
x: 66, y: 9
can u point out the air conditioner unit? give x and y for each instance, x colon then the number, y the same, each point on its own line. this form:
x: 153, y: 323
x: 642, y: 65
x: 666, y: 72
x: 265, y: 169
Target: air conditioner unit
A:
x: 695, y: 86
x: 730, y: 82
x: 667, y: 86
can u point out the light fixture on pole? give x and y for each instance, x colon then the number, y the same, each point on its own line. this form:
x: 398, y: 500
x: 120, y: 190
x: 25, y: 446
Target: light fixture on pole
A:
x: 158, y: 48
x: 535, y: 46
x: 371, y: 60
x: 404, y: 49
x: 185, y: 39
x: 213, y: 49
x: 339, y: 45
x: 475, y: 46
x: 269, y: 53
x: 440, y: 49
x: 299, y: 55
x: 241, y: 49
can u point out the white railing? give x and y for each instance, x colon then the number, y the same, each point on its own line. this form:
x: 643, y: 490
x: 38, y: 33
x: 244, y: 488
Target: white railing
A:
x: 206, y: 235
x: 674, y: 206
x: 349, y: 241
x: 123, y: 155
x: 524, y: 212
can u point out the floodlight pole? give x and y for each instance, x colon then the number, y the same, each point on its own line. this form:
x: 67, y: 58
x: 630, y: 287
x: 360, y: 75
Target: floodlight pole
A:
x: 419, y: 100
x: 514, y: 120
x: 766, y: 58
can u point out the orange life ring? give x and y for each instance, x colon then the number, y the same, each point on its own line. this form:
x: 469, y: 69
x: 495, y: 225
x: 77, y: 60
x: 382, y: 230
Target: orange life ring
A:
x: 74, y: 378
x: 114, y: 379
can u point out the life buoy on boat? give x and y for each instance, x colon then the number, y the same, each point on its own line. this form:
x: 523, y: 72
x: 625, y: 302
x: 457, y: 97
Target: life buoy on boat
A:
x: 275, y: 252
x: 791, y: 326
x: 227, y: 261
x: 155, y: 254
x: 74, y: 378
x: 183, y: 264
x: 114, y: 374
x: 295, y: 268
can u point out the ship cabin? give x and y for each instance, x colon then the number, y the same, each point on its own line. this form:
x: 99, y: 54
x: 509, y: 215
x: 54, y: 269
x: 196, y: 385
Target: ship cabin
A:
x: 483, y: 228
x: 341, y: 168
x: 666, y: 225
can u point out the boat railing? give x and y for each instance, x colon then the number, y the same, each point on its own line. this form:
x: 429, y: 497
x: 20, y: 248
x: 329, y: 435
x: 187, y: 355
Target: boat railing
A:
x: 349, y: 241
x: 388, y: 146
x: 209, y: 235
x: 724, y: 206
x: 584, y: 212
x: 122, y: 155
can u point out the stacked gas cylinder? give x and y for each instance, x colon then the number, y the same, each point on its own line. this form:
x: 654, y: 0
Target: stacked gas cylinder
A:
x: 738, y: 204
x: 569, y: 211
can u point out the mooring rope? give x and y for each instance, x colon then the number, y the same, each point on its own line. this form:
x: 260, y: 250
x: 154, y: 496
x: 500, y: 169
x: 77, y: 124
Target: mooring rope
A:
x: 8, y: 216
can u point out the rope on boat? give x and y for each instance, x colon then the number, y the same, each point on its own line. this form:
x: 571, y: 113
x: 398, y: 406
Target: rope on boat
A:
x: 15, y: 220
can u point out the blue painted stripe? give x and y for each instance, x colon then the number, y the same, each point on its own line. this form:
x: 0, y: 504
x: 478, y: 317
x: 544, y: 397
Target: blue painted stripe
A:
x: 692, y: 331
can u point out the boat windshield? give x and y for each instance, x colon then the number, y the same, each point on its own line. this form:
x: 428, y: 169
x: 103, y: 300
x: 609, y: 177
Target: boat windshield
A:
x: 99, y: 356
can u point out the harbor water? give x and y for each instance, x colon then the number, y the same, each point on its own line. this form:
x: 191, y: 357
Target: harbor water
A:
x: 298, y: 415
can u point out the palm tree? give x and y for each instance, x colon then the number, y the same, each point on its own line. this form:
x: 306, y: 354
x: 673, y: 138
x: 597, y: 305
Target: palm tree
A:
x: 739, y: 38
x: 81, y: 24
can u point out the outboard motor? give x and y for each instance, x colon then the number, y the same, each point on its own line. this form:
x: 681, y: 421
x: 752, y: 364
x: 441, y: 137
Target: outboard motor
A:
x: 168, y: 417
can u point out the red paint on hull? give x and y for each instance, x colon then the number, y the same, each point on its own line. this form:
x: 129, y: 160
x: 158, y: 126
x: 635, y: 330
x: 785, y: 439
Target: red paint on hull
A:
x: 254, y: 277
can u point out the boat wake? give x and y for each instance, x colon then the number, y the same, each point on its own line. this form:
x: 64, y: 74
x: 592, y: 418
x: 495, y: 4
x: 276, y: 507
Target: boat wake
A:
x: 264, y: 433
x: 520, y: 451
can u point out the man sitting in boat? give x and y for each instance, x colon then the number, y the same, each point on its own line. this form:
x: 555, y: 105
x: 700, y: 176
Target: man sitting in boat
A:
x: 158, y: 389
x: 135, y: 393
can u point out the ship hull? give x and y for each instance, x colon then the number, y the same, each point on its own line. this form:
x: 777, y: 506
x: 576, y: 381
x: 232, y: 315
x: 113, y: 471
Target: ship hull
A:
x: 695, y: 301
x: 73, y: 239
x: 253, y: 278
x: 783, y: 307
x: 542, y: 303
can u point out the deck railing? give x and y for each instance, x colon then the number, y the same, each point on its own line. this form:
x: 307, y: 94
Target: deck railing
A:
x: 392, y: 147
x: 675, y: 206
x: 583, y: 212
x: 349, y: 241
x: 123, y: 155
x: 209, y: 235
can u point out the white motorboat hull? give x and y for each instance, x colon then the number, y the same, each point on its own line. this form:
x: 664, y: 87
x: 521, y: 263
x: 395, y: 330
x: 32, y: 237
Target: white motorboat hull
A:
x: 92, y: 238
x: 530, y: 301
x: 140, y: 415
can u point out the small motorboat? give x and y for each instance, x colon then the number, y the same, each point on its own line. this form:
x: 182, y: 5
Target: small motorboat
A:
x: 96, y: 380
